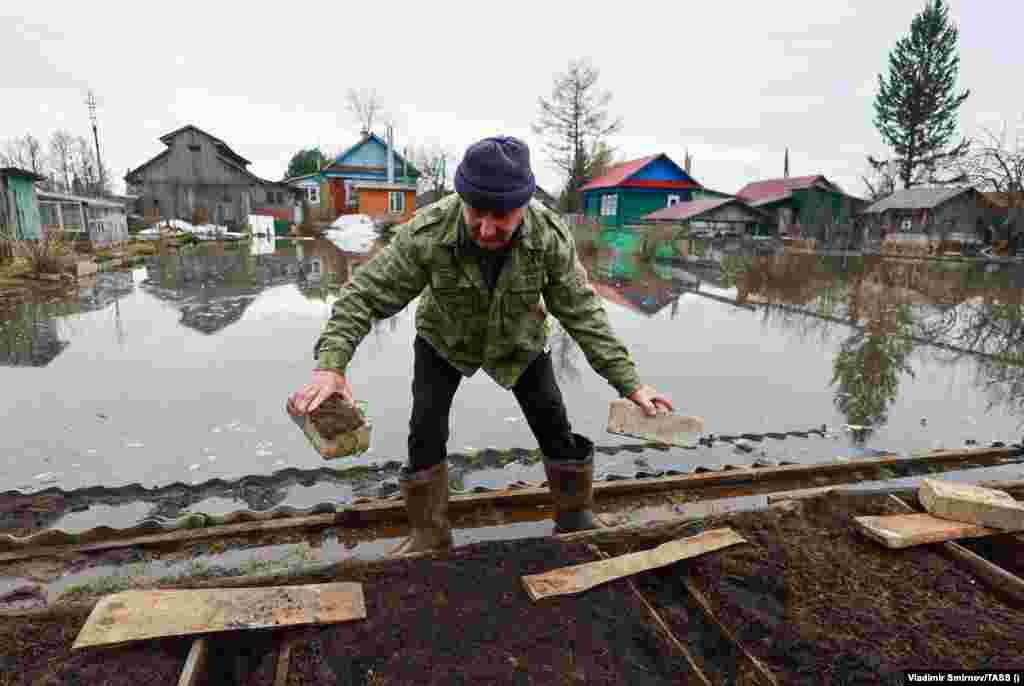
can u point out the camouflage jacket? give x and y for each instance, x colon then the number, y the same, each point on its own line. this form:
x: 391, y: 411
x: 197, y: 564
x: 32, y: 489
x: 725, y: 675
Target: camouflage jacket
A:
x: 470, y: 326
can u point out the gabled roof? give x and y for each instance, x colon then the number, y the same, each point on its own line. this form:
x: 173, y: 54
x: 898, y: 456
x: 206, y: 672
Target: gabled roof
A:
x: 683, y: 211
x: 916, y: 199
x: 619, y: 173
x: 368, y: 137
x: 167, y: 138
x: 779, y: 189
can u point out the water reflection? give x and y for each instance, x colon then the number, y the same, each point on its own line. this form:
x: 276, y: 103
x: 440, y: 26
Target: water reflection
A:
x: 785, y: 341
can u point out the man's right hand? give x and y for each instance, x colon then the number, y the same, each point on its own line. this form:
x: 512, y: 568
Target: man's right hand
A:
x: 325, y: 384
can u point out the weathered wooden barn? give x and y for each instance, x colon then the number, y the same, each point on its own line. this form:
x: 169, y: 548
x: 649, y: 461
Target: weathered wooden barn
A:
x: 633, y: 189
x: 716, y: 214
x: 19, y: 206
x: 800, y: 203
x: 199, y: 174
x: 932, y: 213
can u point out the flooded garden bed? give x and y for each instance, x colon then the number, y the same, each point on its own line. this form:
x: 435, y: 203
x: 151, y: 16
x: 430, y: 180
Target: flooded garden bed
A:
x: 806, y: 598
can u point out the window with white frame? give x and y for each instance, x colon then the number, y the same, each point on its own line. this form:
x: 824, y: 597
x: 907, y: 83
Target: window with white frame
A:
x: 609, y: 205
x: 313, y: 194
x: 396, y: 201
x: 672, y: 200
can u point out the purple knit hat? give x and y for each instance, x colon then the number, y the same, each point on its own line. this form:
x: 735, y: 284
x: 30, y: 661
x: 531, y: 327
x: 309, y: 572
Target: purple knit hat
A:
x: 495, y: 175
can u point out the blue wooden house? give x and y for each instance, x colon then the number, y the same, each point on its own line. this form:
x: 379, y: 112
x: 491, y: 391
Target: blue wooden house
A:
x: 369, y: 178
x: 636, y: 188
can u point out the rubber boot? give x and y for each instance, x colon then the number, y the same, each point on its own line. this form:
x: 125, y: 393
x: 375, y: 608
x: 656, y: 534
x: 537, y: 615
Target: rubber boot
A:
x: 572, y: 489
x: 426, y: 503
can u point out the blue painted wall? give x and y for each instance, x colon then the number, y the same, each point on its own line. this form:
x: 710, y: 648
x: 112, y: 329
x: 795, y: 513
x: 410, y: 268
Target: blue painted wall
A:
x: 661, y: 169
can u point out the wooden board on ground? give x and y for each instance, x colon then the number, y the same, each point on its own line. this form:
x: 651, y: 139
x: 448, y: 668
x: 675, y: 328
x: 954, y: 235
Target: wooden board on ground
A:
x: 625, y: 418
x: 139, y: 615
x: 999, y: 579
x: 577, y: 578
x: 972, y: 504
x: 906, y: 530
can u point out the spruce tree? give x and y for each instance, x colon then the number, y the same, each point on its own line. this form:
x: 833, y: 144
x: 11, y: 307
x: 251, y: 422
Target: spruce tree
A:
x: 916, y: 107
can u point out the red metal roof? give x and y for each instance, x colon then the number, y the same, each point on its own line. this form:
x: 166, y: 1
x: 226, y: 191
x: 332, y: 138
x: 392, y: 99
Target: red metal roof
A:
x: 682, y: 211
x: 619, y: 173
x: 759, y: 190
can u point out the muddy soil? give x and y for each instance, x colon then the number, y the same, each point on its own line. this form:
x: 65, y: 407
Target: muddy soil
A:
x: 819, y: 603
x: 37, y: 651
x: 335, y: 417
x: 466, y: 619
x: 1006, y: 550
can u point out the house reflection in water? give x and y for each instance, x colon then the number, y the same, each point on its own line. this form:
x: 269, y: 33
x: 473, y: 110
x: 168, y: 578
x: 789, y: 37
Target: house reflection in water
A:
x: 30, y: 334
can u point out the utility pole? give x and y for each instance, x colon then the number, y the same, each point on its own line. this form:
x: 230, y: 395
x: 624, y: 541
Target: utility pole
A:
x: 91, y: 102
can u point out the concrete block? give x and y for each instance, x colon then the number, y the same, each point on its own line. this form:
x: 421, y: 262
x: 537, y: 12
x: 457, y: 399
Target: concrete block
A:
x: 972, y: 504
x: 625, y: 418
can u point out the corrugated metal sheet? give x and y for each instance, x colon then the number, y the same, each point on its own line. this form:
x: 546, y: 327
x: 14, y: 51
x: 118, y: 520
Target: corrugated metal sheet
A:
x: 619, y: 173
x: 776, y: 188
x: 682, y: 211
x: 915, y: 199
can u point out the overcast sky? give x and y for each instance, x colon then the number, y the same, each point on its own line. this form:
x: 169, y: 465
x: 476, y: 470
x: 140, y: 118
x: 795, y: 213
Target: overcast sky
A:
x: 735, y: 82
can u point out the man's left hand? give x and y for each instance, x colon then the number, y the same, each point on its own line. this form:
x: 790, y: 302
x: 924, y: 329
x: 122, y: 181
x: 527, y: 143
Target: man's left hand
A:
x: 648, y: 398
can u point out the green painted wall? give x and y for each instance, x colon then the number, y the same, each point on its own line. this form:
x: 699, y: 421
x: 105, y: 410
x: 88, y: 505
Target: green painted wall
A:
x: 27, y: 223
x: 812, y: 205
x: 633, y: 204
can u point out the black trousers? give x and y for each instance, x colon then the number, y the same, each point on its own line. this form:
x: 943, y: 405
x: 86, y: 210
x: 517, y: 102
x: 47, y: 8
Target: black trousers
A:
x: 433, y: 388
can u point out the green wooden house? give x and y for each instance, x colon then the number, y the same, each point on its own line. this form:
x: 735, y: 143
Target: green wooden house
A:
x: 801, y: 202
x: 19, y: 207
x: 636, y: 188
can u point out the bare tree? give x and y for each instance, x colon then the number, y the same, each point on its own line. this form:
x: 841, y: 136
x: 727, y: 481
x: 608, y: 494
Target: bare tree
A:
x: 573, y: 121
x: 880, y: 181
x: 85, y: 171
x: 25, y: 152
x: 435, y: 165
x: 996, y: 163
x: 365, y: 107
x: 62, y: 145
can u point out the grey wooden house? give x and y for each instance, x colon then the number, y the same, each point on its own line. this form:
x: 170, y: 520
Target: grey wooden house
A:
x: 200, y: 172
x: 931, y: 213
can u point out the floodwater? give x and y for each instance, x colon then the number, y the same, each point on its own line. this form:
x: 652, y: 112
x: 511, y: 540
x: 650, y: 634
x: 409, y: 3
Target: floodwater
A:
x: 178, y: 371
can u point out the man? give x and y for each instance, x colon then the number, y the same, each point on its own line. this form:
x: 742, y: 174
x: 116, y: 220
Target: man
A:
x: 487, y: 261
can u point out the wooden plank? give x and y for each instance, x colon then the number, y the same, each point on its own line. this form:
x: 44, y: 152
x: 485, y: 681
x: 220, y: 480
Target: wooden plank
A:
x: 195, y: 664
x: 997, y: 578
x: 139, y: 615
x: 906, y: 530
x: 799, y: 494
x: 762, y: 670
x: 695, y: 670
x: 581, y: 577
x: 174, y: 536
x: 284, y: 656
x: 360, y: 515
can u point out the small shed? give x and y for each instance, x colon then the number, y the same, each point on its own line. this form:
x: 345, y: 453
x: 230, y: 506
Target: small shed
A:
x: 633, y: 189
x: 19, y: 206
x: 730, y: 214
x: 959, y: 213
x: 98, y: 221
